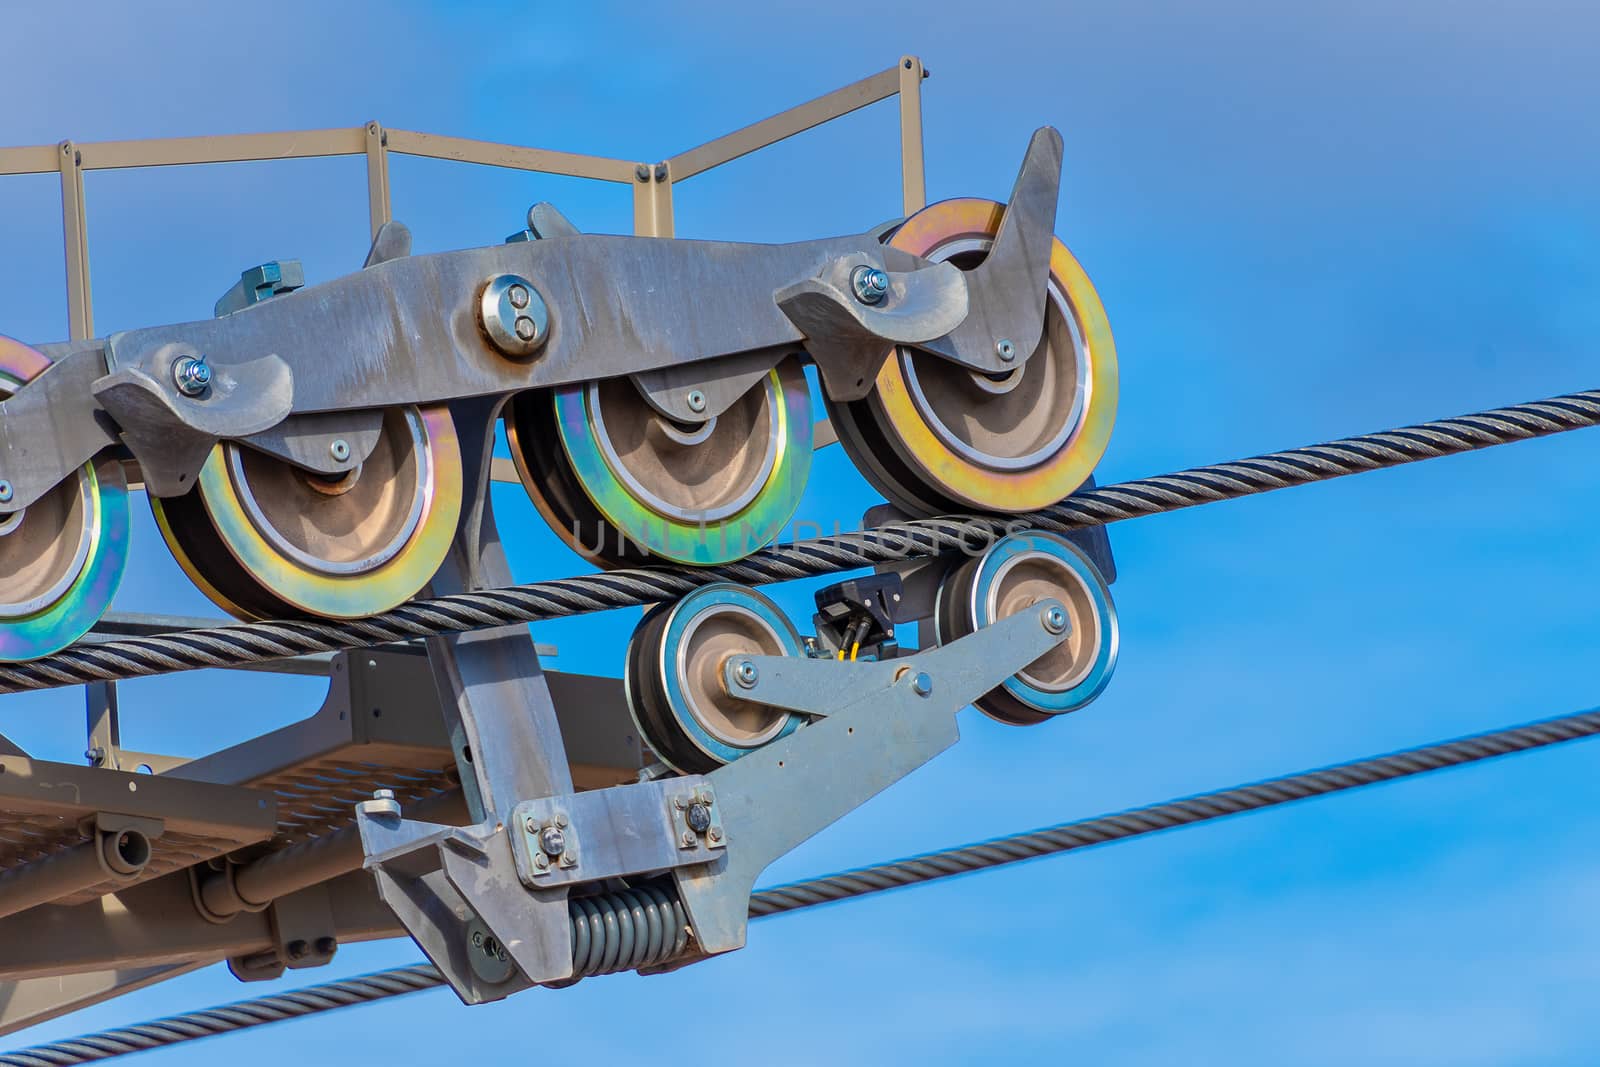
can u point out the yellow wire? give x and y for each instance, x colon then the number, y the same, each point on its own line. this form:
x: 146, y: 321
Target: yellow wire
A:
x: 853, y: 650
x: 841, y: 653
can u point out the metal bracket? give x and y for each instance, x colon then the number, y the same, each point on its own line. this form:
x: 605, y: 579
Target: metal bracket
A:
x: 885, y: 720
x: 456, y: 889
x: 313, y: 442
x: 304, y: 934
x: 392, y: 241
x: 641, y: 828
x: 850, y: 340
x: 261, y: 283
x: 1008, y: 289
x: 170, y: 433
x: 718, y: 383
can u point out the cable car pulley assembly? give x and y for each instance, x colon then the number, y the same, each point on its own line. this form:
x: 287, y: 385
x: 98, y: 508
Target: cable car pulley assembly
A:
x: 323, y: 453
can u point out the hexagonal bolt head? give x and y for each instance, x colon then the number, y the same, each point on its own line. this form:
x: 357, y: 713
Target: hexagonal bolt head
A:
x: 1055, y: 620
x: 746, y: 674
x: 870, y: 284
x: 922, y: 684
x: 191, y: 375
x: 698, y: 817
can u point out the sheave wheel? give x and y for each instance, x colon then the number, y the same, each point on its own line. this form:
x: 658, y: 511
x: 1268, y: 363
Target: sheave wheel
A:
x: 619, y: 482
x: 61, y: 557
x: 263, y: 538
x: 936, y: 438
x: 1017, y: 572
x: 674, y: 682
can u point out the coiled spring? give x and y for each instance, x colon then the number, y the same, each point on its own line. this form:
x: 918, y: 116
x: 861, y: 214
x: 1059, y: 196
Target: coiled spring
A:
x: 626, y: 930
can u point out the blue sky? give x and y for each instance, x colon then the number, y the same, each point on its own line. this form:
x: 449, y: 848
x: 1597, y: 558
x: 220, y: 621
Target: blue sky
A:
x: 1304, y: 220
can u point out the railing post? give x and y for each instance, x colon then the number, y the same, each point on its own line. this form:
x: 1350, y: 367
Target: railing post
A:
x: 75, y: 231
x: 913, y: 183
x: 652, y: 200
x: 377, y: 175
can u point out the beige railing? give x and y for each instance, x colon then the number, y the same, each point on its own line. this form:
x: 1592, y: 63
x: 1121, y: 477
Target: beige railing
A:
x: 652, y: 183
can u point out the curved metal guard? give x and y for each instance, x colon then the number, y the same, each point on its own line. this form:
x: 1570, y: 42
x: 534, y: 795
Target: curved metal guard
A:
x: 172, y: 433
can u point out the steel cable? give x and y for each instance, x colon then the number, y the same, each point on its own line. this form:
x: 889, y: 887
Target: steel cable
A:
x: 933, y: 866
x: 256, y: 642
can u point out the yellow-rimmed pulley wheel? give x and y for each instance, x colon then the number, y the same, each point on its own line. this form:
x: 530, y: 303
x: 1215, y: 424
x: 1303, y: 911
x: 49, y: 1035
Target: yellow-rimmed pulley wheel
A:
x: 618, y: 481
x: 935, y: 437
x: 263, y: 538
x: 62, y: 556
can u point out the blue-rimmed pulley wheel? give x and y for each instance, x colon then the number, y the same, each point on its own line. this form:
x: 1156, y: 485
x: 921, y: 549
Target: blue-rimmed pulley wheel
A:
x: 675, y: 684
x: 1015, y: 573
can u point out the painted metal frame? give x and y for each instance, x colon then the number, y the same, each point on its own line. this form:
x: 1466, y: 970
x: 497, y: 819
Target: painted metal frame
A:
x: 652, y: 183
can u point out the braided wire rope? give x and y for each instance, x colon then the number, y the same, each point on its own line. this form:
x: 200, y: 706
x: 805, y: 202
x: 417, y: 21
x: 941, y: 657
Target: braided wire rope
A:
x: 257, y: 642
x: 864, y: 881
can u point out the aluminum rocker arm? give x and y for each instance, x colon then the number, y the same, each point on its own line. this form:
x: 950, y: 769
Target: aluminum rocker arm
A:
x: 525, y: 315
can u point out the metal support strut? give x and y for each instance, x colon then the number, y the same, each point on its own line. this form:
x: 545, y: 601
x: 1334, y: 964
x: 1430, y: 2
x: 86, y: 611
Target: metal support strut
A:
x: 489, y: 903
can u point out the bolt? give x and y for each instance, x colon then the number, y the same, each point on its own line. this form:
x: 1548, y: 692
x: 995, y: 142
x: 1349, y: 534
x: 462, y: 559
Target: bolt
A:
x: 340, y: 449
x: 540, y: 860
x: 922, y: 684
x: 561, y: 818
x: 6, y: 492
x: 552, y: 841
x: 745, y: 674
x: 1055, y: 620
x: 661, y: 172
x: 327, y: 946
x: 689, y: 839
x: 382, y: 803
x: 297, y: 949
x: 192, y: 375
x: 531, y: 825
x: 1006, y: 349
x: 513, y: 315
x: 95, y: 755
x: 698, y: 818
x: 871, y: 285
x: 679, y: 803
x: 715, y: 835
x: 642, y: 172
x: 697, y: 401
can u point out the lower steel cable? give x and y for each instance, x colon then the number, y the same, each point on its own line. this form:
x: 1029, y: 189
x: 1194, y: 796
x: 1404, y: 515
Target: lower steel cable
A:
x: 1067, y: 837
